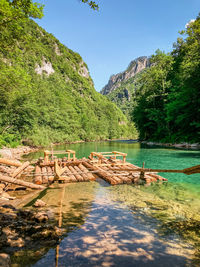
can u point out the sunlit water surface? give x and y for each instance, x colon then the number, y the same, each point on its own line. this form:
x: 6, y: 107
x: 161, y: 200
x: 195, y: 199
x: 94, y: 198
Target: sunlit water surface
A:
x: 124, y: 225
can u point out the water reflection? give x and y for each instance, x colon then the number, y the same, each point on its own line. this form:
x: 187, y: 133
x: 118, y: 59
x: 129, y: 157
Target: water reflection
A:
x: 112, y: 235
x: 125, y: 225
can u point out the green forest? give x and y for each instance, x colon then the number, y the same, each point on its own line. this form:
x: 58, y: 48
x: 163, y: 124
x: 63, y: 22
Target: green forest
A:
x: 163, y: 100
x: 46, y: 92
x: 167, y: 103
x: 48, y: 96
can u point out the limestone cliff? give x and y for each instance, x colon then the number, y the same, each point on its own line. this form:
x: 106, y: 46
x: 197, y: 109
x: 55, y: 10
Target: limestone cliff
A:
x: 134, y: 67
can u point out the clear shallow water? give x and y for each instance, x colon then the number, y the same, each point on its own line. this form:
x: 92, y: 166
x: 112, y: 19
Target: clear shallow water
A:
x: 108, y: 233
x: 123, y: 225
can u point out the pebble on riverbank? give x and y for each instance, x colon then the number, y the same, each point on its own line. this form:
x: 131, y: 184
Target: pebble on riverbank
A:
x: 22, y: 228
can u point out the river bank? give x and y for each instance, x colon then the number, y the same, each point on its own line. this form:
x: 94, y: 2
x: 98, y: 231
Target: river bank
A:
x: 181, y: 145
x: 16, y: 153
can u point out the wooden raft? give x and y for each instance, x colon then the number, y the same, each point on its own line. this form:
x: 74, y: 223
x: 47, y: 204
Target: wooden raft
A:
x: 110, y: 166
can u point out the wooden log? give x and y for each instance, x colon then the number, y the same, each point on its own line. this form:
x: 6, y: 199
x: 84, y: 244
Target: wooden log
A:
x: 70, y: 174
x: 46, y: 156
x: 50, y: 175
x: 64, y: 160
x: 102, y: 174
x: 38, y: 177
x: 19, y: 170
x: 108, y: 176
x: 10, y: 162
x: 112, y: 175
x: 7, y: 179
x: 84, y: 175
x: 158, y: 177
x: 123, y: 175
x: 84, y: 169
x: 78, y: 177
x: 44, y: 175
x: 49, y: 171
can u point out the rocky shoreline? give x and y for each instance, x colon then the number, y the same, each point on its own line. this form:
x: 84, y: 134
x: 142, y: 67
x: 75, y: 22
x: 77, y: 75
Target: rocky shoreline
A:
x: 24, y: 228
x: 181, y: 145
x: 16, y: 153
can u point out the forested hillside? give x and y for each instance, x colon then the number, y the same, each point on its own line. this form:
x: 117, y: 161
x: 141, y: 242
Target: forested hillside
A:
x: 164, y: 99
x: 168, y: 99
x: 46, y: 92
x: 121, y: 88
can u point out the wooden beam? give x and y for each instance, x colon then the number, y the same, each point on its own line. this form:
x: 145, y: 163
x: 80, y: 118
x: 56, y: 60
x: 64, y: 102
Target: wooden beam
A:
x: 119, y: 153
x: 11, y: 180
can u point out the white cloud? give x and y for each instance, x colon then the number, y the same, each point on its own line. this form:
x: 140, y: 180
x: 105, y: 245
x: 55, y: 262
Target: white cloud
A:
x: 188, y: 24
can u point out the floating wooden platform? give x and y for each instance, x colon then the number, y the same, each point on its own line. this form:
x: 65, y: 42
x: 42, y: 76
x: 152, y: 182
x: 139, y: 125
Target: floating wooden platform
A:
x: 109, y: 166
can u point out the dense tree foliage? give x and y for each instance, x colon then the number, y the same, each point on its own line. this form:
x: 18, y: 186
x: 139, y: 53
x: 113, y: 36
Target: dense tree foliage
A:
x: 92, y: 4
x: 39, y: 107
x: 168, y: 95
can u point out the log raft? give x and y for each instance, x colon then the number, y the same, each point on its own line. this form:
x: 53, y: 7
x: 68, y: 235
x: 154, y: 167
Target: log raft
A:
x: 109, y: 166
x: 112, y: 167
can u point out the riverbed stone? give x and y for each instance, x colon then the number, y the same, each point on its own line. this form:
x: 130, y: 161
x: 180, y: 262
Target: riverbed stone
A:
x: 41, y: 217
x: 39, y: 203
x: 4, y: 260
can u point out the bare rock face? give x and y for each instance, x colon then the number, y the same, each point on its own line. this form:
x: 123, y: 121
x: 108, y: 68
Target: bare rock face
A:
x: 134, y: 67
x: 46, y: 68
x: 83, y: 71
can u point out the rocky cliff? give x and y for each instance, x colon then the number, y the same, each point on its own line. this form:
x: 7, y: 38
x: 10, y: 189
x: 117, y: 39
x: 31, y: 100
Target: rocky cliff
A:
x: 134, y: 67
x: 121, y: 87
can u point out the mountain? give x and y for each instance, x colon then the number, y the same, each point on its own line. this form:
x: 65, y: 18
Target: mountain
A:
x: 47, y: 94
x: 122, y: 86
x: 134, y: 67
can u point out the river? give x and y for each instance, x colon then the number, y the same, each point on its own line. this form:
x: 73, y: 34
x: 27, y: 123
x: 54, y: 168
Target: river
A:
x: 125, y: 225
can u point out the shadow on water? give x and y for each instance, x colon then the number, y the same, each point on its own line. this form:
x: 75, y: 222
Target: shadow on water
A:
x: 112, y: 235
x: 123, y: 225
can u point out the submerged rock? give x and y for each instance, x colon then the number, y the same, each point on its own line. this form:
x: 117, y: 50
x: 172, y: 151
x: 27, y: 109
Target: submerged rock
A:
x: 41, y: 217
x: 39, y: 203
x: 4, y: 260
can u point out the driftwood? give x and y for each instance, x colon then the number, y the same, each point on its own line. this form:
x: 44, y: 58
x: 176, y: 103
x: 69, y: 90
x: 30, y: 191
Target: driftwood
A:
x: 10, y: 162
x: 8, y: 179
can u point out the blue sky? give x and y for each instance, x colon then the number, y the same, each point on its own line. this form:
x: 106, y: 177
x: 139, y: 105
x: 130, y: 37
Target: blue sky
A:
x: 119, y: 32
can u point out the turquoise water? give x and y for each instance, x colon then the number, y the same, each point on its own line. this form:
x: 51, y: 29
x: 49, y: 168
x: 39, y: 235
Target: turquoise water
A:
x: 154, y: 157
x: 180, y: 187
x: 125, y: 224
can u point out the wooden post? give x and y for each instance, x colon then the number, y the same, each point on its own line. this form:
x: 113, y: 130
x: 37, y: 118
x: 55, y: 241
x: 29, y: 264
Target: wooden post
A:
x: 74, y: 156
x: 142, y: 172
x: 69, y: 152
x: 68, y: 155
x: 124, y: 159
x: 46, y: 156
